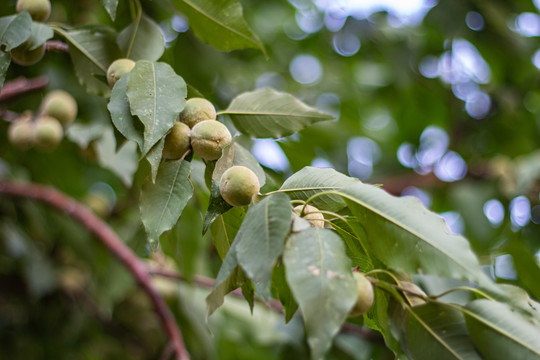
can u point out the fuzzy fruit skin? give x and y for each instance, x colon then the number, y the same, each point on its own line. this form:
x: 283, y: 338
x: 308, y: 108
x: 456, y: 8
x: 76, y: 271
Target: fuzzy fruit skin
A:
x: 21, y: 55
x: 48, y: 132
x: 177, y: 141
x: 117, y: 69
x: 39, y: 9
x: 209, y: 138
x: 364, y: 297
x: 311, y: 214
x: 60, y: 105
x: 21, y: 134
x: 197, y: 110
x: 238, y: 185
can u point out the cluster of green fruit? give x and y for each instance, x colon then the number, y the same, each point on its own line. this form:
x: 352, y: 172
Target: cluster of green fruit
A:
x: 46, y: 130
x: 27, y: 54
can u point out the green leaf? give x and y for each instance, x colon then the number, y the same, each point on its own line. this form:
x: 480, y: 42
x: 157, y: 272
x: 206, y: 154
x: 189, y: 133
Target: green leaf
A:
x: 92, y: 50
x: 156, y: 96
x: 123, y: 163
x: 110, y: 6
x: 236, y: 154
x: 15, y: 29
x: 122, y: 119
x: 435, y: 331
x: 268, y: 113
x: 261, y: 239
x: 216, y: 207
x: 282, y: 291
x: 83, y: 134
x: 501, y: 332
x: 225, y: 228
x: 310, y: 181
x: 162, y: 202
x: 219, y: 23
x: 406, y: 236
x: 319, y: 274
x: 142, y: 40
x: 5, y: 60
x: 526, y: 266
x: 154, y: 158
x: 40, y: 33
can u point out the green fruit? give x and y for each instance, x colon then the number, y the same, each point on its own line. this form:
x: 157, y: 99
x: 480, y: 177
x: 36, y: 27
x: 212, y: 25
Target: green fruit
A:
x: 39, y: 9
x: 60, y: 105
x: 117, y: 69
x: 364, y: 295
x: 48, y: 132
x: 21, y: 133
x: 311, y: 214
x: 197, y: 110
x: 21, y: 55
x: 98, y: 203
x: 177, y: 141
x: 209, y: 138
x: 238, y: 185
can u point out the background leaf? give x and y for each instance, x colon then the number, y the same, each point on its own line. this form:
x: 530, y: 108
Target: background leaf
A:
x: 142, y: 40
x: 268, y: 113
x: 110, y: 6
x: 123, y: 163
x: 162, y: 203
x: 5, y: 60
x: 319, y: 274
x: 500, y: 332
x: 219, y: 23
x: 15, y: 29
x: 156, y: 96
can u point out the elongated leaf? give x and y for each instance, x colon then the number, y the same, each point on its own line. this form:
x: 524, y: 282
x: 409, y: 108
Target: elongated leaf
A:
x: 216, y: 207
x: 123, y: 163
x: 526, y: 266
x: 162, y: 203
x: 282, y: 291
x: 15, y: 29
x: 219, y: 23
x: 267, y: 113
x: 5, y: 60
x: 406, y: 236
x: 435, y: 331
x: 142, y: 40
x: 110, y: 6
x: 225, y: 228
x: 120, y: 112
x: 92, y: 50
x: 156, y: 96
x: 236, y: 154
x: 501, y: 332
x: 319, y: 274
x: 83, y: 134
x: 310, y: 181
x: 261, y: 239
x: 39, y: 34
x: 154, y: 158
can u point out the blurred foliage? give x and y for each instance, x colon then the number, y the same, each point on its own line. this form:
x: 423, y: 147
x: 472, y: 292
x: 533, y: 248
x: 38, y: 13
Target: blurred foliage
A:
x: 64, y: 297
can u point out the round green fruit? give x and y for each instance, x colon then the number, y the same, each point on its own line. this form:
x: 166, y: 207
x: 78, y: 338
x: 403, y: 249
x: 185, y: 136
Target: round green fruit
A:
x: 48, y: 132
x: 364, y: 295
x: 21, y: 133
x: 238, y: 185
x: 22, y: 55
x: 39, y: 9
x: 117, y: 69
x: 209, y: 138
x: 197, y: 110
x: 60, y: 105
x: 311, y: 214
x: 177, y: 141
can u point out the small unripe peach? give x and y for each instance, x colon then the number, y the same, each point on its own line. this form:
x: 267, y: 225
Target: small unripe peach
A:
x: 238, y: 185
x: 209, y: 138
x: 48, y: 132
x: 21, y: 133
x: 364, y: 295
x: 39, y: 9
x: 177, y: 141
x: 22, y: 55
x: 197, y: 110
x: 60, y: 105
x: 311, y: 214
x: 117, y: 69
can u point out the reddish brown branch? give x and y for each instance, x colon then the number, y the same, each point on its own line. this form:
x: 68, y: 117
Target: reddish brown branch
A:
x: 111, y: 241
x: 22, y: 85
x: 56, y: 46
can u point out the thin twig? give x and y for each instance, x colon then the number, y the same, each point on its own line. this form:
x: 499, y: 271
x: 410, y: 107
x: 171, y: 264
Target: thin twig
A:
x: 56, y: 46
x: 21, y: 86
x: 111, y: 241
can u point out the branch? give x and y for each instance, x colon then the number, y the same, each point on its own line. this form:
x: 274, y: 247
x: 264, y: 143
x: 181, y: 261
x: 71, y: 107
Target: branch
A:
x: 272, y: 303
x: 111, y: 241
x: 22, y: 85
x: 56, y: 46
